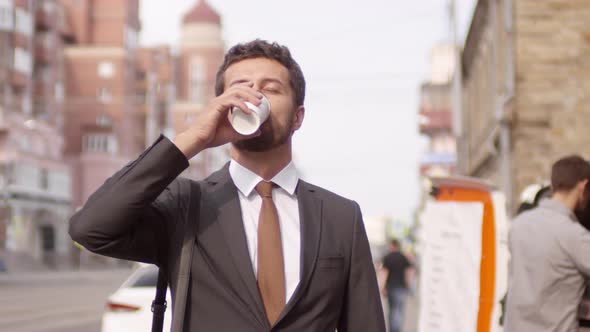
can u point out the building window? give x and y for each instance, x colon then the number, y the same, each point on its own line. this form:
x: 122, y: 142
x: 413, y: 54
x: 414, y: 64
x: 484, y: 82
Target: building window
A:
x: 48, y: 7
x: 27, y: 105
x: 196, y: 80
x: 103, y: 120
x: 44, y: 179
x: 24, y: 22
x: 38, y: 144
x: 22, y: 60
x: 47, y: 235
x: 6, y: 15
x: 43, y: 73
x: 100, y: 143
x: 106, y: 69
x: 142, y: 98
x: 46, y: 39
x: 59, y: 92
x: 25, y: 144
x: 131, y: 36
x: 104, y: 95
x: 6, y: 55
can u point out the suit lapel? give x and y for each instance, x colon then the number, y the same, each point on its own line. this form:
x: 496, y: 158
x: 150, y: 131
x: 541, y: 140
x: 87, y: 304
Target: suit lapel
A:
x: 229, y: 218
x: 310, y: 217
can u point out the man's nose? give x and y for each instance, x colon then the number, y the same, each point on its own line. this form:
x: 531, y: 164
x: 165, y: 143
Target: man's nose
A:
x: 254, y: 85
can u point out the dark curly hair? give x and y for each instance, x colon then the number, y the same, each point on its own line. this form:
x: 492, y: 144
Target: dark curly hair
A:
x: 263, y: 49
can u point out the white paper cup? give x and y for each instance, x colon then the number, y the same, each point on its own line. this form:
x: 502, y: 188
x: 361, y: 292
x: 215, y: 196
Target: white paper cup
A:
x: 248, y: 124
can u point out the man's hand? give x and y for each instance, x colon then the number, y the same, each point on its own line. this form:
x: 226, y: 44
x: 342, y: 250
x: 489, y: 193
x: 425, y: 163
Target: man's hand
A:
x: 211, y: 127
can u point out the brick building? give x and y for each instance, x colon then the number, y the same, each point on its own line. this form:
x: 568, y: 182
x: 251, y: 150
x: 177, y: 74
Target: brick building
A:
x: 105, y: 119
x: 201, y: 52
x: 78, y: 99
x: 526, y: 77
x: 34, y: 179
x: 436, y: 120
x: 157, y: 87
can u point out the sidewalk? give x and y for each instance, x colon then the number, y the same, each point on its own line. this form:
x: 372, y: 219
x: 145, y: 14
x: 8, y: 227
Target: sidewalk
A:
x: 61, y: 276
x: 411, y: 310
x: 411, y: 314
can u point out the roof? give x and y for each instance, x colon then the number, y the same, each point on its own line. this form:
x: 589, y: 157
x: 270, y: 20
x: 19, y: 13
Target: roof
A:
x: 462, y: 182
x: 202, y: 12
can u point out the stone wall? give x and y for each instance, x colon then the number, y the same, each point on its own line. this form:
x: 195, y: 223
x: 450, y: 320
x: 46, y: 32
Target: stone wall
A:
x: 552, y: 117
x: 485, y: 90
x: 549, y: 114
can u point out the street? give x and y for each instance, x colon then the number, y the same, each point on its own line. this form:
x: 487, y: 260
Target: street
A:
x: 56, y: 301
x: 74, y: 301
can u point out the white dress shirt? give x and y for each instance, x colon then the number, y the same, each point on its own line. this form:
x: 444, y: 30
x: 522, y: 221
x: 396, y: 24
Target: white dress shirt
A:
x: 288, y: 209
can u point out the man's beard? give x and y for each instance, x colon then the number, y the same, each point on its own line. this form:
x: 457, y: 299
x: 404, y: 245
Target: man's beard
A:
x: 583, y: 203
x: 582, y: 212
x: 267, y: 140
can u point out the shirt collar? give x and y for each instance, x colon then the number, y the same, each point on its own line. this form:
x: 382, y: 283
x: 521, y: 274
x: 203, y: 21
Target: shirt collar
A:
x: 246, y: 180
x: 557, y: 206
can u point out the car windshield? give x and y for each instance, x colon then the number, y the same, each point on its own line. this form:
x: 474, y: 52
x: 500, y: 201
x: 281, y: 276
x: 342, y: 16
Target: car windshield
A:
x: 143, y: 277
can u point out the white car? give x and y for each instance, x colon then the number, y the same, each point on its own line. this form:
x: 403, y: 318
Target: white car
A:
x: 129, y: 308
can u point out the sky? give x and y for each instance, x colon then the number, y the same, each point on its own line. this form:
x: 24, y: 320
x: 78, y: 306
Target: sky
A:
x: 363, y: 63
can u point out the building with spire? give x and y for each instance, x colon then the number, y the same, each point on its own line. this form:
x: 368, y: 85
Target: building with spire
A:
x: 79, y: 99
x: 201, y: 52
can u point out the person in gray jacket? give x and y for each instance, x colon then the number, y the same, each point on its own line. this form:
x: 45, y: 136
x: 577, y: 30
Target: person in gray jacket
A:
x: 271, y: 252
x: 550, y: 255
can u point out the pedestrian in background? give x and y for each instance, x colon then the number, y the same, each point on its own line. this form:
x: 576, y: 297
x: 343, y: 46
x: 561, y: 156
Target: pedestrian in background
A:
x: 550, y: 261
x: 399, y: 274
x: 527, y: 203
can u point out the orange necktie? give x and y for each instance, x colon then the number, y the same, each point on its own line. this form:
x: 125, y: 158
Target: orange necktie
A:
x: 271, y: 267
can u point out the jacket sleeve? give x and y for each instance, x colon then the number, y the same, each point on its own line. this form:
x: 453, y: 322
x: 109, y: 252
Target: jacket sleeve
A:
x: 363, y: 311
x: 131, y: 216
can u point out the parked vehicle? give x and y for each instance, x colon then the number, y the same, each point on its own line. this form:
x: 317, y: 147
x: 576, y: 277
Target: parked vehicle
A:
x: 128, y: 309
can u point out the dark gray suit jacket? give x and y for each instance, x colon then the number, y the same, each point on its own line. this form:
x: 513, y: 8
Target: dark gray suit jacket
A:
x: 140, y: 214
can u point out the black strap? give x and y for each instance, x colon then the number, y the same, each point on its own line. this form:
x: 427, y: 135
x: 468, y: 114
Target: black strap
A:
x: 159, y: 304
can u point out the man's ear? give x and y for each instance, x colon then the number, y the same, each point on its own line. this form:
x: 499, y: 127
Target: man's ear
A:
x: 583, y: 185
x: 299, y: 116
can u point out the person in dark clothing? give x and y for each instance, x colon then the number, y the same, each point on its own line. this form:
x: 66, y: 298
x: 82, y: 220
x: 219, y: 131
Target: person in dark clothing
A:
x: 399, y: 270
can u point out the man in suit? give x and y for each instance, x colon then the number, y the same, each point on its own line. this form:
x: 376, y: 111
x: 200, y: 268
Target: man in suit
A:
x: 550, y: 263
x: 272, y: 252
